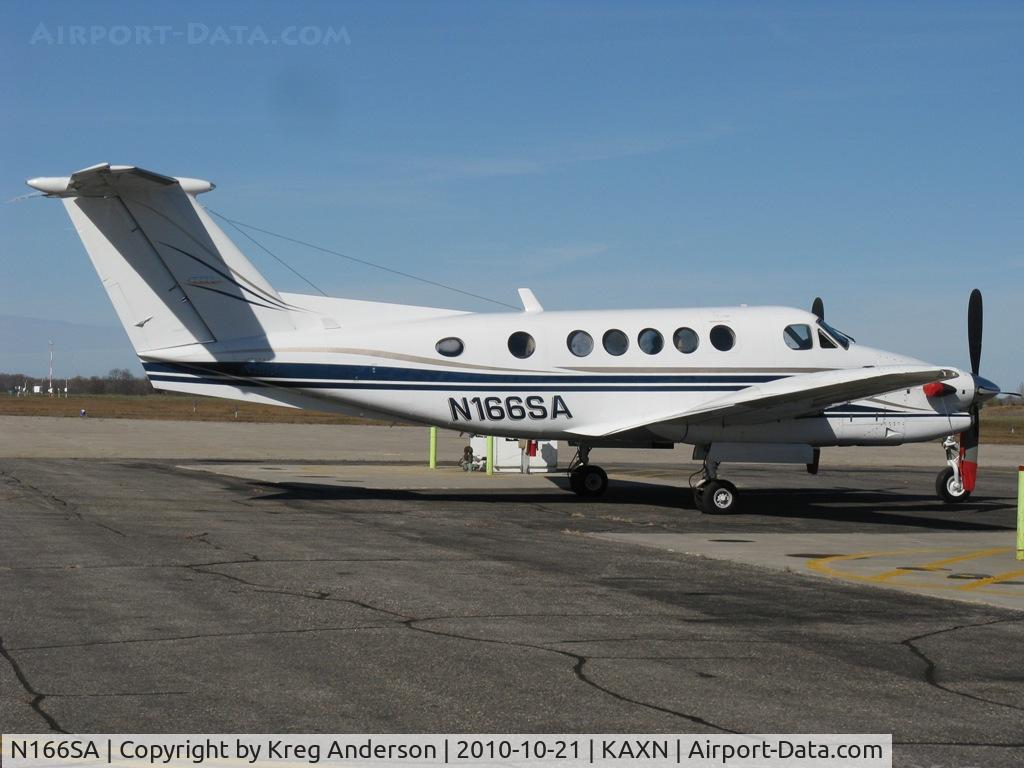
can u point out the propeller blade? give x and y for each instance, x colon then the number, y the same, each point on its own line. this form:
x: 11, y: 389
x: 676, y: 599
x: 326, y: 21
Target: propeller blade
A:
x: 969, y: 450
x: 974, y: 323
x: 818, y: 307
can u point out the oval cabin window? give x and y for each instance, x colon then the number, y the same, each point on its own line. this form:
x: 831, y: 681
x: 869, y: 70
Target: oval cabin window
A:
x: 615, y: 342
x: 686, y: 340
x: 722, y: 338
x: 449, y: 347
x: 521, y: 344
x: 650, y: 341
x: 580, y: 343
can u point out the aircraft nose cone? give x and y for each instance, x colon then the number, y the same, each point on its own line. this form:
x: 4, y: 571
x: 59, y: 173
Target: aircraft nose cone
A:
x: 984, y: 389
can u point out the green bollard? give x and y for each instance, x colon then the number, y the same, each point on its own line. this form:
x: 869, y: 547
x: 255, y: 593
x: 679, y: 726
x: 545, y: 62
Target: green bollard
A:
x: 490, y: 455
x: 1020, y: 513
x: 433, y: 448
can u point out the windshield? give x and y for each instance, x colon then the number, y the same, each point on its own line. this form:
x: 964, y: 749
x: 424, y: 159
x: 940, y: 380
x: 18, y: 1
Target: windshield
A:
x: 838, y: 335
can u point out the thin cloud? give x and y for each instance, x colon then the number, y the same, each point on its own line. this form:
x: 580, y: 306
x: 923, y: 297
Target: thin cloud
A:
x: 448, y: 168
x: 552, y: 258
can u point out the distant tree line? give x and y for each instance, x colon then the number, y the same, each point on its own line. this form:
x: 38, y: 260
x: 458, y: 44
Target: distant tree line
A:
x: 119, y: 381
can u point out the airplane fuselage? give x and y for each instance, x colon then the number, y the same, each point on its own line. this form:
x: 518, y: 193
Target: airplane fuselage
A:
x: 773, y: 381
x: 384, y: 360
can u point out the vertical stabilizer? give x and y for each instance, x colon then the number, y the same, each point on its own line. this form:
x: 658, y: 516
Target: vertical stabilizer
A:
x: 172, y: 274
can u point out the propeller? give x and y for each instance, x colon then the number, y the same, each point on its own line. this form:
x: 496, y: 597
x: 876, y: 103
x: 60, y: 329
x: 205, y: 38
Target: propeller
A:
x: 983, y: 389
x: 974, y: 326
x: 818, y: 307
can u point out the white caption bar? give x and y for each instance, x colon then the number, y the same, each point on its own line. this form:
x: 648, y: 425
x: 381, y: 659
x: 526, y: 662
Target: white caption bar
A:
x: 821, y: 750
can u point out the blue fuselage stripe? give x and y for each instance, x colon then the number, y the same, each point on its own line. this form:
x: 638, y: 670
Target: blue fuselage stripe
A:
x: 455, y: 387
x: 330, y: 372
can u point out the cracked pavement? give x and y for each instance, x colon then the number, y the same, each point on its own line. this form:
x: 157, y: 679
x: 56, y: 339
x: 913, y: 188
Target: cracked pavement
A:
x: 139, y: 597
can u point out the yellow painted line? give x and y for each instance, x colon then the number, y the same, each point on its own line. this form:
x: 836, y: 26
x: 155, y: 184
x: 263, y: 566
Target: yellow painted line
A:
x: 999, y: 577
x: 936, y: 564
x: 823, y: 566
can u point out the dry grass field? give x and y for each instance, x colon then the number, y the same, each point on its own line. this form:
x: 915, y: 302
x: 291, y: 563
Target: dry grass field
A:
x: 1003, y: 424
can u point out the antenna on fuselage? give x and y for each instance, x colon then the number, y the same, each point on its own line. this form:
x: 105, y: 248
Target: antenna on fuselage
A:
x: 818, y: 307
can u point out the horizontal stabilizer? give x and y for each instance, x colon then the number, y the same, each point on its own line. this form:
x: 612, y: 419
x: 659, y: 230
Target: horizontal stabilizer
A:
x: 106, y: 180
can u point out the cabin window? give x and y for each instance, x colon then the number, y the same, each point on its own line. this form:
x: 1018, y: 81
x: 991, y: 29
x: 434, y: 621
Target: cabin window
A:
x: 650, y: 341
x: 615, y: 342
x: 449, y: 347
x: 798, y: 336
x: 521, y: 344
x: 686, y: 340
x: 722, y: 338
x: 580, y: 343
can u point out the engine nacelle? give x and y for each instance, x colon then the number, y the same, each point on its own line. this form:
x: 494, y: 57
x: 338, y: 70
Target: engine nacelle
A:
x: 955, y: 394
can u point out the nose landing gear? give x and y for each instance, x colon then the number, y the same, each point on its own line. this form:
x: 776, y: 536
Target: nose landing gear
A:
x: 949, y: 483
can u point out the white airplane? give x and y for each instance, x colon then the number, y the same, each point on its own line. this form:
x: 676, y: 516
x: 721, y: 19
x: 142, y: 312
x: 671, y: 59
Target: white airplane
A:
x: 767, y: 384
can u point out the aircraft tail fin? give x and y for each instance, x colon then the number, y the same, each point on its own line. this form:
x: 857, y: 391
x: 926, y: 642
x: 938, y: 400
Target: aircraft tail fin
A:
x: 172, y: 274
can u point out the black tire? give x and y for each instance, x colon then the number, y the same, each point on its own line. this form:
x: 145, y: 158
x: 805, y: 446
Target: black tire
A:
x: 698, y: 496
x: 593, y: 481
x: 576, y: 481
x: 944, y: 487
x: 719, y: 497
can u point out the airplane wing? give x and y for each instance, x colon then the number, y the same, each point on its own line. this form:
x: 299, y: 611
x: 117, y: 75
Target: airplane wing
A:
x: 800, y: 395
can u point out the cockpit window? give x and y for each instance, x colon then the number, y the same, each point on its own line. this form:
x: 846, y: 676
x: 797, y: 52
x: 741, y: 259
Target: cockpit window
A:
x: 835, y: 333
x: 798, y: 336
x: 825, y: 341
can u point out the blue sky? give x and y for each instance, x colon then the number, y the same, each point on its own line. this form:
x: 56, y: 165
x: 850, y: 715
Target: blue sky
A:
x: 604, y: 154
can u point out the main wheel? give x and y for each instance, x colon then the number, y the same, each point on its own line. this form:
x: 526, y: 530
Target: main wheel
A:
x: 576, y: 480
x: 698, y: 496
x: 589, y: 481
x: 947, y: 487
x: 719, y: 497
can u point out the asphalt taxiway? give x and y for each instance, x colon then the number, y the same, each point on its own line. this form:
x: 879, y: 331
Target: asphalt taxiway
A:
x: 203, y: 591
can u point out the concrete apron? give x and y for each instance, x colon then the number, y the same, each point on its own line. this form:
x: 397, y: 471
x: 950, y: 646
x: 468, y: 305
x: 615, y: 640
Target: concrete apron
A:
x: 973, y: 566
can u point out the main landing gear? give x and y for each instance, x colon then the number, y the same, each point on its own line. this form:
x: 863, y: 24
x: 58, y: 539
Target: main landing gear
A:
x: 949, y: 483
x: 711, y: 495
x: 586, y: 479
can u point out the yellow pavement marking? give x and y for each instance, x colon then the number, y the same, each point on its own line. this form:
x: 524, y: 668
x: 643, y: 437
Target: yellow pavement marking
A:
x: 823, y: 565
x: 999, y: 577
x: 935, y: 565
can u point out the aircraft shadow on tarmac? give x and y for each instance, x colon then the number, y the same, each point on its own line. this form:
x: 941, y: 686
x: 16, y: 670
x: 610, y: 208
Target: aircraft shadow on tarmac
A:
x: 841, y: 505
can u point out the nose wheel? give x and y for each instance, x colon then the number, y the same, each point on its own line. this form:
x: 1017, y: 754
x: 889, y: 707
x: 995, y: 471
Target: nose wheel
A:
x: 949, y: 483
x: 949, y: 486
